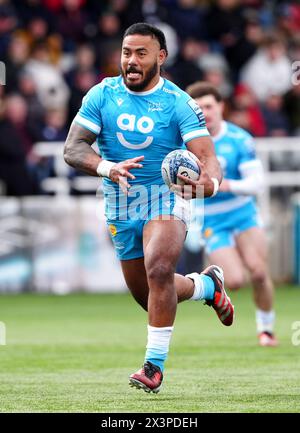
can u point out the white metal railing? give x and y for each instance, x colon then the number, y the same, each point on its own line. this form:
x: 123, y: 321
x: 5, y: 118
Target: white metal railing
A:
x: 268, y: 149
x: 61, y: 184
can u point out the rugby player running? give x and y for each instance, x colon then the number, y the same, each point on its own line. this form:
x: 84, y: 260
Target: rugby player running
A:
x: 137, y: 118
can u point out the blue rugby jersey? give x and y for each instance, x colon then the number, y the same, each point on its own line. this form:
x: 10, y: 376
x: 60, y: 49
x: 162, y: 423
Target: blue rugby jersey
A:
x: 234, y: 147
x: 130, y: 124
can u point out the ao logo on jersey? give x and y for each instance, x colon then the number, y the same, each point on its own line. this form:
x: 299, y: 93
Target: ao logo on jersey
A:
x: 129, y: 122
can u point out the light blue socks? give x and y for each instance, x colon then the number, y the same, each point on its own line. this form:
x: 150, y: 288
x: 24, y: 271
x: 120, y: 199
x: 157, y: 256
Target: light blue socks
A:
x: 158, y: 345
x: 204, y: 287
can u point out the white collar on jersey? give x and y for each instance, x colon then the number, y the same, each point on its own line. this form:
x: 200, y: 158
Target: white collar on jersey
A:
x: 222, y: 131
x: 147, y: 92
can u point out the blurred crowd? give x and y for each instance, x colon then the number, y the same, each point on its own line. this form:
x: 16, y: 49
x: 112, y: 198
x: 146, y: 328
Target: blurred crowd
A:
x: 55, y: 50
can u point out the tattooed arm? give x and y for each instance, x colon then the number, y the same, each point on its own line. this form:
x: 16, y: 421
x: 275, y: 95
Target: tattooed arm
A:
x: 78, y: 151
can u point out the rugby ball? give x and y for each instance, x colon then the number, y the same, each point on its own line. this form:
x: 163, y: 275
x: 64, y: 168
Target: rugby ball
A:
x: 182, y: 162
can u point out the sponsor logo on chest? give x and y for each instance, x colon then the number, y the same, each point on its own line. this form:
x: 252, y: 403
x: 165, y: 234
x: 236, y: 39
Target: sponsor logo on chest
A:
x: 131, y: 123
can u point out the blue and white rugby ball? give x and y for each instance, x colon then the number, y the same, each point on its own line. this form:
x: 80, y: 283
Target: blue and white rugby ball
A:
x: 182, y: 162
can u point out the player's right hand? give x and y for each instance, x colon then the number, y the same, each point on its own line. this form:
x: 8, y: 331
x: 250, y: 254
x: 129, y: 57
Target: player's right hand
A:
x: 119, y: 173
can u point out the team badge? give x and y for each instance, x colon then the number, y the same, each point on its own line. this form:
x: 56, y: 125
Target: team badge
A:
x: 208, y: 232
x: 113, y: 229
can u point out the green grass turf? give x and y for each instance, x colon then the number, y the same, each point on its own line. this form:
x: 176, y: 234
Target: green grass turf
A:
x: 74, y: 354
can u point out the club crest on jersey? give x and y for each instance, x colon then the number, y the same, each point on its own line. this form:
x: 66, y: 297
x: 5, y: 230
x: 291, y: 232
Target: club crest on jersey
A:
x: 129, y: 122
x: 113, y: 229
x: 208, y: 232
x: 154, y: 106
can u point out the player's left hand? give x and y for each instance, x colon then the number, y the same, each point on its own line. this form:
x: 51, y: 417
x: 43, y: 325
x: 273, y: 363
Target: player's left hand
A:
x: 120, y: 172
x: 203, y: 187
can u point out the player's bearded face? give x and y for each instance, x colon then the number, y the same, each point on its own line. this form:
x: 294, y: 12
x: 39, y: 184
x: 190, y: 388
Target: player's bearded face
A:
x: 140, y: 62
x: 138, y: 79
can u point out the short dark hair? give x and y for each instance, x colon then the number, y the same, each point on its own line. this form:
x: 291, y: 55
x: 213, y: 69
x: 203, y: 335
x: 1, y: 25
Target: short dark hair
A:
x: 146, y: 29
x: 203, y: 88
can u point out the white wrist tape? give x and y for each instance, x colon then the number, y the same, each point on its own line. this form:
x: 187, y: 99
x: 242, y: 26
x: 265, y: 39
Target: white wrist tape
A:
x: 104, y: 168
x: 216, y: 186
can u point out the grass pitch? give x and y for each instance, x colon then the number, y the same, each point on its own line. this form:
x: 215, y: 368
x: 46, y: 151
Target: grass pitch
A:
x: 74, y: 354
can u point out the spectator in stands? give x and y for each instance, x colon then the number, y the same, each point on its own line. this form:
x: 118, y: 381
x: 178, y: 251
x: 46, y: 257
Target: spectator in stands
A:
x: 53, y: 129
x: 84, y: 61
x: 8, y: 22
x: 277, y: 124
x: 109, y: 26
x: 185, y: 69
x: 82, y: 82
x: 251, y: 113
x: 35, y: 110
x: 294, y: 48
x: 188, y: 19
x: 209, y: 59
x: 16, y: 114
x: 110, y: 65
x: 27, y: 10
x: 239, y: 117
x: 54, y: 5
x: 288, y: 18
x: 51, y: 87
x: 108, y: 37
x: 226, y: 24
x: 217, y: 77
x: 246, y: 45
x: 15, y: 145
x: 269, y: 70
x: 15, y: 60
x: 292, y: 107
x: 38, y: 31
x: 129, y: 11
x: 73, y: 20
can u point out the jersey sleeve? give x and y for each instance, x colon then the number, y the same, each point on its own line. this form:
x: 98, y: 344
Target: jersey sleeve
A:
x: 89, y: 114
x: 190, y: 119
x: 247, y: 151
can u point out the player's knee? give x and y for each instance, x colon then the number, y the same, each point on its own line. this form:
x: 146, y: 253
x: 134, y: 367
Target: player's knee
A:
x: 258, y: 274
x: 160, y: 272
